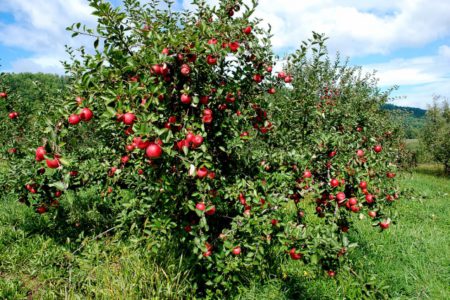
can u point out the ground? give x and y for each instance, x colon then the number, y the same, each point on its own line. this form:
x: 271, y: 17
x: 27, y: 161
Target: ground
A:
x: 411, y: 260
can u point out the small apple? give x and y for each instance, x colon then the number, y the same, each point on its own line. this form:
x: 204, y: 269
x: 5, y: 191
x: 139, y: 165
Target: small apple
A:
x: 377, y: 148
x: 129, y: 118
x: 200, y: 206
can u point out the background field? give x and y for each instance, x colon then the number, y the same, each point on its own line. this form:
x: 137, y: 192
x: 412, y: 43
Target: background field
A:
x: 411, y: 260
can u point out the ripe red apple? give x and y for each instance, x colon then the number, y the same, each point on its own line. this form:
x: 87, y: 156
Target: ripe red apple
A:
x: 334, y: 182
x: 41, y: 210
x: 281, y: 75
x: 242, y: 199
x: 331, y: 273
x: 112, y: 171
x: 190, y: 137
x: 58, y: 194
x: 86, y: 114
x: 172, y: 119
x: 3, y: 95
x: 211, y: 60
x: 202, y: 172
x: 257, y: 78
x: 207, y: 119
x: 185, y: 99
x: 234, y: 46
x: 212, y: 41
x: 40, y: 153
x: 271, y: 91
x: 129, y: 118
x: 352, y: 201
x: 369, y: 198
x: 377, y: 148
x: 247, y: 30
x: 384, y: 224
x: 129, y: 147
x: 294, y: 255
x: 372, y: 214
x: 340, y: 196
x: 52, y: 163
x: 331, y: 154
x: 154, y: 150
x: 197, y: 141
x: 165, y: 51
x: 200, y: 206
x: 288, y: 79
x: 185, y: 70
x: 73, y: 173
x: 236, y: 250
x: 13, y: 115
x: 307, y: 174
x: 211, y: 211
x: 274, y: 222
x: 125, y: 159
x: 363, y: 185
x: 360, y: 153
x: 390, y: 175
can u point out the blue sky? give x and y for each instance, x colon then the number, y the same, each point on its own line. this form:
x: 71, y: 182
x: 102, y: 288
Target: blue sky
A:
x: 407, y: 42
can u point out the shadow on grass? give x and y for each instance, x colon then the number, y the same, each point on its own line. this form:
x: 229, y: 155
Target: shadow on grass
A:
x: 431, y: 169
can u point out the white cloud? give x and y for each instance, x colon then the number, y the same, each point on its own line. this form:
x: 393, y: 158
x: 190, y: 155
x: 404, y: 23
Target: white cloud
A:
x: 419, y: 78
x: 40, y: 28
x: 355, y: 27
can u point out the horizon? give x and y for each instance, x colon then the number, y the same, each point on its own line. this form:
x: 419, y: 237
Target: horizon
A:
x: 407, y: 43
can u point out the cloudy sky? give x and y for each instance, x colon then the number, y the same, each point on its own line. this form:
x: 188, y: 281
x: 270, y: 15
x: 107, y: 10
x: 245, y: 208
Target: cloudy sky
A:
x: 406, y: 41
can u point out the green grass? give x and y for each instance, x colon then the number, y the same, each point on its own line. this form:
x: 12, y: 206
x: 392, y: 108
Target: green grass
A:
x: 411, y: 260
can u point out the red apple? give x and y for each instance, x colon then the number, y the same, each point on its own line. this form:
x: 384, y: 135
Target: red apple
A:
x: 211, y: 211
x: 52, y: 163
x: 86, y: 114
x: 200, y: 206
x: 294, y: 255
x: 360, y: 153
x: 236, y: 250
x: 40, y: 153
x: 125, y: 159
x: 307, y: 174
x: 334, y: 182
x: 154, y: 150
x: 3, y: 95
x: 234, y: 46
x: 211, y: 60
x: 384, y: 224
x: 340, y: 196
x: 377, y: 148
x: 197, y: 141
x: 369, y: 198
x: 372, y: 214
x: 363, y: 185
x: 185, y: 70
x: 185, y: 99
x: 352, y: 201
x: 129, y: 118
x: 247, y: 30
x: 202, y: 172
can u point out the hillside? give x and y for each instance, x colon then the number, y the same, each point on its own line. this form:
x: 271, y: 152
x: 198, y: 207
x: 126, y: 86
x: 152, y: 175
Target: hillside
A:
x: 413, y: 118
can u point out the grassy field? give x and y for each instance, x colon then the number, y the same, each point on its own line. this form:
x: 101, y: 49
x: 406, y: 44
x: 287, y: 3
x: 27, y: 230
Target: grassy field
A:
x: 411, y: 260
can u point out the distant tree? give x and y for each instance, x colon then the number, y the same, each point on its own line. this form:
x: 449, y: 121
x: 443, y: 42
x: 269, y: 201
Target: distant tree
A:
x: 435, y: 137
